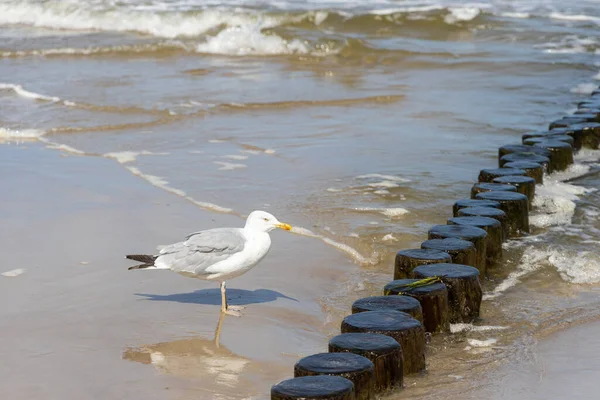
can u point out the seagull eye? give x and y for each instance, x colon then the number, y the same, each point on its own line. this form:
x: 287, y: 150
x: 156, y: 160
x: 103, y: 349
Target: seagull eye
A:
x: 266, y: 219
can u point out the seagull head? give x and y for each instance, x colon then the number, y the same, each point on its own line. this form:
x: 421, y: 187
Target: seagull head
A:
x: 264, y: 222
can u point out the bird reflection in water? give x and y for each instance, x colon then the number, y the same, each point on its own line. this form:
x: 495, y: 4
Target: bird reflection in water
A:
x: 194, y: 358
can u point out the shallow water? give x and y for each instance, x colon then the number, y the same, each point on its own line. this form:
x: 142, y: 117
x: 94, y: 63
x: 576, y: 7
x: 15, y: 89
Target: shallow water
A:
x: 359, y: 124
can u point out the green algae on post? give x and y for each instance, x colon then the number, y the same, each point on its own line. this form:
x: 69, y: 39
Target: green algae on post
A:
x: 494, y: 238
x: 516, y: 207
x: 532, y: 169
x: 561, y: 153
x: 524, y: 184
x: 383, y: 351
x: 358, y: 369
x: 488, y: 174
x: 406, y: 304
x: 432, y: 297
x: 472, y: 234
x: 407, y: 260
x: 461, y: 251
x: 402, y: 327
x: 464, y: 203
x: 319, y: 387
x: 464, y: 289
x: 481, y: 187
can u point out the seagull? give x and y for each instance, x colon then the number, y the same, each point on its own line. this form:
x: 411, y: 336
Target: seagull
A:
x: 217, y: 254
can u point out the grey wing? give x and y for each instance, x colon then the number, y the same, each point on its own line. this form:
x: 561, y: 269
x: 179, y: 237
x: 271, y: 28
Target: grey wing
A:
x: 201, y: 250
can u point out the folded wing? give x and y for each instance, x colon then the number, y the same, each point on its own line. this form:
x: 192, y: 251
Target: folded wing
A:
x: 201, y: 249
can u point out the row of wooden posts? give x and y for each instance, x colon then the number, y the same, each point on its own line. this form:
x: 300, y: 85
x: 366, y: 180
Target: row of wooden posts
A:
x: 384, y: 338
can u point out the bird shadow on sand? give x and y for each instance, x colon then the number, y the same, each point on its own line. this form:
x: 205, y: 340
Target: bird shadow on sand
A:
x: 238, y: 297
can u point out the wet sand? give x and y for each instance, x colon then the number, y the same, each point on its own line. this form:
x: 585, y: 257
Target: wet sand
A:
x: 562, y: 365
x: 77, y: 324
x: 361, y: 122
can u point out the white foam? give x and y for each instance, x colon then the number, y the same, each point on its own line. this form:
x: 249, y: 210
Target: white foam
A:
x: 153, y: 179
x: 320, y: 17
x: 65, y: 148
x: 67, y: 16
x: 567, y: 50
x: 388, y: 212
x: 18, y: 89
x: 270, y: 151
x: 384, y: 184
x: 571, y: 44
x: 587, y: 155
x: 88, y: 51
x: 389, y: 238
x: 384, y: 177
x: 225, y: 166
x: 574, y: 267
x: 520, y: 15
x: 250, y: 40
x: 396, y: 10
x: 250, y: 151
x: 328, y: 229
x: 124, y: 157
x: 554, y: 201
x: 482, y: 343
x: 13, y: 273
x: 571, y: 17
x: 8, y: 135
x: 582, y: 267
x: 532, y: 260
x: 461, y: 14
x: 383, y: 181
x: 235, y: 157
x: 555, y: 204
x: 209, y: 206
x: 584, y: 88
x: 382, y: 192
x: 353, y: 253
x: 456, y: 328
x: 162, y: 183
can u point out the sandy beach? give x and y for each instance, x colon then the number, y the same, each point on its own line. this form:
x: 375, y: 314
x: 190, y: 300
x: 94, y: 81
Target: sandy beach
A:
x: 128, y: 125
x: 84, y: 326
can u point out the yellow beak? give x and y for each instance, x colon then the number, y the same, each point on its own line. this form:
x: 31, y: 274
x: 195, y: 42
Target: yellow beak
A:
x: 286, y: 227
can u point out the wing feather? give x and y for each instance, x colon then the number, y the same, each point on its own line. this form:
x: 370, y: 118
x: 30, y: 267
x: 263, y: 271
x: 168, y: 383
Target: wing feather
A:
x: 202, y: 249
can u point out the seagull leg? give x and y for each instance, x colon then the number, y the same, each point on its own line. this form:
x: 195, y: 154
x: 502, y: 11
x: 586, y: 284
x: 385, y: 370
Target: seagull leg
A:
x: 233, y: 310
x: 223, y: 297
x: 217, y: 338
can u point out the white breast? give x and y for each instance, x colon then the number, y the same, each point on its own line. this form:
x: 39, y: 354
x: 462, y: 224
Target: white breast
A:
x: 256, y: 248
